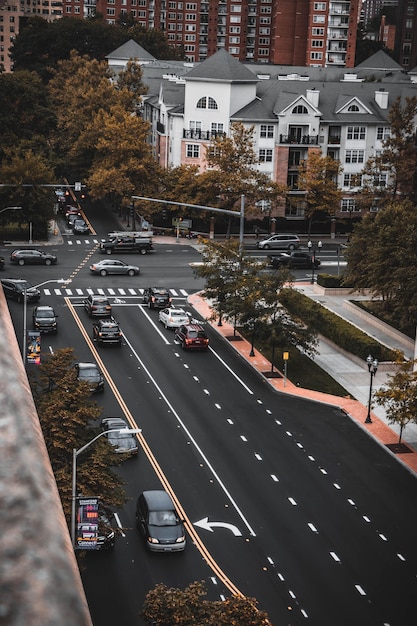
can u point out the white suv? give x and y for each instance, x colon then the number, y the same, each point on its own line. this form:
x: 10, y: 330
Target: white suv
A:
x: 279, y: 242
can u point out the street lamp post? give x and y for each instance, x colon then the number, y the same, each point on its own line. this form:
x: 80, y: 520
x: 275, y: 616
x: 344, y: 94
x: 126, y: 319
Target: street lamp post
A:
x: 312, y: 250
x: 11, y: 208
x: 373, y: 368
x: 60, y: 281
x: 75, y: 454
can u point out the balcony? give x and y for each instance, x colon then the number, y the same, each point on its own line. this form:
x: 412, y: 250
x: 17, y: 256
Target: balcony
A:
x: 203, y: 135
x: 304, y: 140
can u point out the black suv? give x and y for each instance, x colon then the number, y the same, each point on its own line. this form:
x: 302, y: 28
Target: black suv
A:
x: 157, y: 298
x: 44, y: 319
x: 29, y: 256
x: 107, y: 331
x: 97, y: 306
x: 16, y: 288
x: 192, y: 337
x: 294, y: 259
x: 91, y: 374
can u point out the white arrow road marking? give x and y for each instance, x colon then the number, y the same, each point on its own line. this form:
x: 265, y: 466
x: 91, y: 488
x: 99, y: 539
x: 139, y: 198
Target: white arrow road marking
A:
x: 206, y: 525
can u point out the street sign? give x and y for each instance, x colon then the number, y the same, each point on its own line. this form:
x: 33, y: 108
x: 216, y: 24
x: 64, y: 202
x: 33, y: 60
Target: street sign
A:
x: 87, y: 523
x: 182, y: 224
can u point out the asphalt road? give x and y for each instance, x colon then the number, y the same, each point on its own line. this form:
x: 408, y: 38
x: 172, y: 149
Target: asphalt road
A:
x: 311, y: 516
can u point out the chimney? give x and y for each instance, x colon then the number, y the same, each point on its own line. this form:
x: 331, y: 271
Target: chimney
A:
x: 381, y: 98
x: 313, y: 96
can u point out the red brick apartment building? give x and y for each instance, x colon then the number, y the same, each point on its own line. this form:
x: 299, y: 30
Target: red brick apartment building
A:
x: 286, y: 32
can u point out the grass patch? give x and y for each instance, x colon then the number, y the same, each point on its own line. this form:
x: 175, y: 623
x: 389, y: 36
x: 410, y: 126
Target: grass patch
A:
x: 304, y: 372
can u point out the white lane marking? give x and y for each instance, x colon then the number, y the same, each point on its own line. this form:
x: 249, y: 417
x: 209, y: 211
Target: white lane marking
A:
x: 287, y: 432
x: 197, y: 380
x: 258, y: 457
x: 118, y: 522
x: 312, y: 527
x: 218, y: 406
x: 351, y: 502
x: 360, y: 589
x: 335, y: 557
x: 156, y: 327
x: 243, y: 438
x: 206, y: 391
x: 366, y: 518
x: 323, y: 471
x: 259, y: 401
x: 300, y: 445
x: 292, y: 501
x: 192, y: 440
x: 311, y: 458
x: 336, y: 486
x: 270, y: 561
x: 275, y: 478
x: 230, y: 421
x: 206, y: 525
x: 239, y: 380
x: 400, y: 556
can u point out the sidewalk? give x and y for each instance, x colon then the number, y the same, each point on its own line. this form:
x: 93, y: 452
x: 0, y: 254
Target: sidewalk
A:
x: 351, y: 376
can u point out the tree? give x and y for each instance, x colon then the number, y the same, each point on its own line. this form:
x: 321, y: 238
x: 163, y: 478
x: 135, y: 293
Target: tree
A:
x: 318, y: 179
x: 399, y: 396
x: 23, y: 167
x: 66, y: 414
x: 379, y: 256
x: 174, y: 607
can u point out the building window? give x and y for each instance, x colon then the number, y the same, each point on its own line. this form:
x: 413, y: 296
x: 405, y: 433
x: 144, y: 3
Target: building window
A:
x: 352, y: 180
x: 356, y: 132
x: 319, y: 6
x: 381, y: 179
x: 355, y: 156
x: 383, y: 133
x: 235, y: 30
x: 300, y: 109
x: 266, y: 131
x: 292, y: 180
x: 319, y: 19
x: 316, y: 56
x: 193, y: 150
x: 264, y: 41
x: 207, y: 103
x: 317, y: 32
x: 317, y: 43
x: 263, y: 52
x: 236, y: 8
x: 264, y: 31
x: 216, y: 127
x: 190, y: 17
x: 189, y: 37
x: 111, y: 11
x: 266, y: 10
x: 190, y: 27
x: 264, y: 20
x: 235, y: 19
x: 190, y: 7
x: 265, y: 156
x: 353, y: 108
x: 348, y: 204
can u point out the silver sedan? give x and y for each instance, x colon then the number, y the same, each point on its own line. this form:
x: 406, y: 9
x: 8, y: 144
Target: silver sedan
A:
x: 113, y: 266
x: 173, y: 318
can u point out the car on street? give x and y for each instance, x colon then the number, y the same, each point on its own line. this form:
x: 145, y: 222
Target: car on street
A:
x: 72, y: 218
x: 106, y: 534
x: 97, y: 306
x: 157, y: 297
x: 80, y: 227
x: 159, y: 523
x: 294, y: 259
x: 123, y: 443
x: 128, y: 243
x: 90, y: 373
x: 2, y: 262
x: 173, y: 318
x: 44, y: 319
x: 31, y: 256
x: 113, y: 266
x: 15, y: 288
x: 279, y: 242
x: 192, y: 337
x: 107, y: 331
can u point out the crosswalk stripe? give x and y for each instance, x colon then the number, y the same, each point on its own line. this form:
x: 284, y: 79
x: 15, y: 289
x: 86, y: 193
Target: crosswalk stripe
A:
x: 108, y: 291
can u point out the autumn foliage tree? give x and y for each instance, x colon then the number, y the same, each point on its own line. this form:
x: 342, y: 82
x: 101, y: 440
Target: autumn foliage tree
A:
x: 165, y: 606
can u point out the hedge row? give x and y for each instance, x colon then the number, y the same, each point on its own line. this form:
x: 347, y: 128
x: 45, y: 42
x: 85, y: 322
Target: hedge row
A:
x: 333, y: 327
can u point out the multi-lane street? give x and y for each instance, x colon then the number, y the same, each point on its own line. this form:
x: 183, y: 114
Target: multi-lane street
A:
x: 284, y: 500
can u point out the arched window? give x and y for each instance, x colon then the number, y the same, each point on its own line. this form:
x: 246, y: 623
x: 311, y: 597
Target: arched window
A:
x: 353, y: 108
x: 207, y: 103
x: 300, y: 109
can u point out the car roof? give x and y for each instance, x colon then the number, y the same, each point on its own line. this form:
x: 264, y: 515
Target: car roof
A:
x: 159, y: 290
x: 193, y: 326
x: 86, y: 365
x: 115, y: 422
x: 158, y: 500
x: 44, y: 307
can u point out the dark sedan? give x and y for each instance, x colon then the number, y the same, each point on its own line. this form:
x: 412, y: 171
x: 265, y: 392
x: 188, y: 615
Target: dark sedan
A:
x: 33, y: 257
x: 296, y: 259
x: 122, y: 442
x: 91, y: 374
x: 16, y: 288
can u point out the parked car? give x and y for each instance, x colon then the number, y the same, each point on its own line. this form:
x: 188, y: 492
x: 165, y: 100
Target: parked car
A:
x: 295, y: 259
x: 157, y: 297
x: 114, y: 266
x: 80, y: 227
x: 173, y: 318
x: 192, y: 337
x: 97, y: 306
x: 91, y: 374
x: 279, y: 242
x: 123, y: 443
x: 32, y: 256
x: 44, y: 319
x: 107, y: 331
x: 15, y: 288
x: 2, y: 262
x: 159, y: 522
x: 73, y: 217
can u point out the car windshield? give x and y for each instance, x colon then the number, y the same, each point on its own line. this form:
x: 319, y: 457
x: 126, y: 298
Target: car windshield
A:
x: 45, y: 314
x: 163, y: 518
x: 89, y: 372
x: 177, y: 313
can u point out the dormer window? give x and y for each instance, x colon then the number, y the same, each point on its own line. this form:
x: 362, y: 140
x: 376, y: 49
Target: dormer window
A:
x: 207, y: 102
x: 353, y: 108
x: 300, y: 109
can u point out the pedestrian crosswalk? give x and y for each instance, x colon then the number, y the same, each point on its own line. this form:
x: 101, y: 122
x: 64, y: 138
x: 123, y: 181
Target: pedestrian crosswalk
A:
x: 111, y: 292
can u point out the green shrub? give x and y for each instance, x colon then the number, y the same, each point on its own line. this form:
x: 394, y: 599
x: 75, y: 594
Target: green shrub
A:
x: 333, y: 327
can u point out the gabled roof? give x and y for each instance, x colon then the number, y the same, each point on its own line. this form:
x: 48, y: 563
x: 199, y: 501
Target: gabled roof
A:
x: 222, y: 67
x: 379, y: 61
x: 131, y: 50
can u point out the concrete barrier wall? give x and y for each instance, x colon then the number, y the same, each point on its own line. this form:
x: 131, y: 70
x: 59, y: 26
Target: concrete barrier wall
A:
x: 40, y: 583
